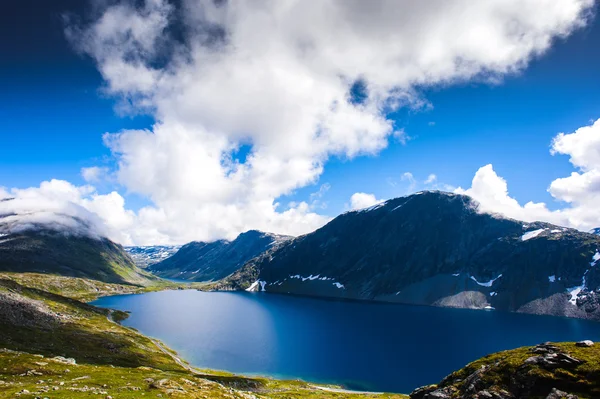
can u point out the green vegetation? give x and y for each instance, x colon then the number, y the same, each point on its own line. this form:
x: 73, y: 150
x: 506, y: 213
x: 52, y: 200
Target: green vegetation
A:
x: 101, y: 357
x: 517, y: 373
x: 47, y: 251
x: 87, y: 290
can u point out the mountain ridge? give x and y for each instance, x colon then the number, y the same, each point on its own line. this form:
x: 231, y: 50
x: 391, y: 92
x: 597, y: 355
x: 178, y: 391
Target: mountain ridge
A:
x: 435, y: 248
x: 211, y: 261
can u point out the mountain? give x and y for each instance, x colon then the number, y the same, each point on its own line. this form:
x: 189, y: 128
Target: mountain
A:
x: 211, y: 261
x: 435, y: 248
x: 69, y: 248
x: 595, y: 231
x: 149, y: 255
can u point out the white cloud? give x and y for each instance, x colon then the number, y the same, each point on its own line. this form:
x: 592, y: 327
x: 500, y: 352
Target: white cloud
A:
x: 53, y: 205
x: 363, y: 200
x: 94, y: 174
x: 581, y: 190
x: 412, y: 182
x: 276, y: 75
x: 431, y: 179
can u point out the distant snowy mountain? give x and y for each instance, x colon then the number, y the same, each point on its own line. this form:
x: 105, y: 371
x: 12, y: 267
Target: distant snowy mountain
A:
x: 595, y: 231
x: 150, y: 255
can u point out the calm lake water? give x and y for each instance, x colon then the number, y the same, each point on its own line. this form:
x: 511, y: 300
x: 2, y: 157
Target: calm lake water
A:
x: 367, y: 346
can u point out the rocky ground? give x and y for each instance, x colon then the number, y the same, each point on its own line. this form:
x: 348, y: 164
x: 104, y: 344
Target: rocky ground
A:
x: 551, y: 371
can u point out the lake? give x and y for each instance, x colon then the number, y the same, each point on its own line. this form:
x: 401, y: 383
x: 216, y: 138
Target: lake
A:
x: 361, y: 345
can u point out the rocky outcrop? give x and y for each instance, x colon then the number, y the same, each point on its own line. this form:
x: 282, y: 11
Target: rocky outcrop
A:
x: 546, y: 371
x: 18, y: 310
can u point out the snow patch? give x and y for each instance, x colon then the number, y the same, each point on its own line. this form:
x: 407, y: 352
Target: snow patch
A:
x: 372, y: 208
x: 556, y: 231
x: 339, y: 285
x: 456, y: 274
x: 531, y: 234
x: 488, y: 307
x: 552, y: 278
x: 595, y: 258
x: 252, y: 287
x: 574, y: 292
x: 493, y: 293
x: 488, y: 283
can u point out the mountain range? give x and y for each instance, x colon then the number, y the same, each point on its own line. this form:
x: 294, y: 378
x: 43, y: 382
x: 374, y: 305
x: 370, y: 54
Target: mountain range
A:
x: 212, y: 261
x: 145, y: 256
x: 435, y: 248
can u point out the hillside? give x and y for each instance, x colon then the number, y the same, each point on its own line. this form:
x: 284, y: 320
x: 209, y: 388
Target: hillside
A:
x: 202, y: 261
x: 53, y: 252
x: 435, y: 248
x: 551, y: 371
x: 56, y: 347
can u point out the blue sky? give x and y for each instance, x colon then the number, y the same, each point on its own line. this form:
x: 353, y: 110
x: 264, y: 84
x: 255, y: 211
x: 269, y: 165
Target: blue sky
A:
x: 54, y: 112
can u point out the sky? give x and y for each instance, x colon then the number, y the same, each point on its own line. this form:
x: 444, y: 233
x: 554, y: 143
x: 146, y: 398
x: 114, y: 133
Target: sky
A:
x: 166, y: 122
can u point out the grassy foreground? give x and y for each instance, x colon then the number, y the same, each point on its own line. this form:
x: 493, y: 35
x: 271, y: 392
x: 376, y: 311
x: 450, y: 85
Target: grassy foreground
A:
x: 53, y: 346
x: 87, y: 290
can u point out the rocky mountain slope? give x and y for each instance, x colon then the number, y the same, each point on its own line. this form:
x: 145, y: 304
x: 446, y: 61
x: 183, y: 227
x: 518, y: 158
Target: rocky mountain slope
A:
x: 150, y: 255
x: 551, y: 371
x: 435, y: 248
x: 211, y: 261
x: 69, y: 251
x: 595, y: 231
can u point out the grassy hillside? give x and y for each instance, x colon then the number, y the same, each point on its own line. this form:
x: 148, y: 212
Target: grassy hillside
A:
x: 87, y: 290
x: 57, y: 347
x: 560, y: 369
x: 46, y: 251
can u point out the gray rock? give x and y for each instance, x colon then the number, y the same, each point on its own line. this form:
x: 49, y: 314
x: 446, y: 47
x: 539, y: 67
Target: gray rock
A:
x: 556, y: 394
x: 586, y: 343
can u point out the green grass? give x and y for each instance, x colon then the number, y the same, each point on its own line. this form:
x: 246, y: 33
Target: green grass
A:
x: 507, y: 370
x: 87, y: 290
x: 112, y: 360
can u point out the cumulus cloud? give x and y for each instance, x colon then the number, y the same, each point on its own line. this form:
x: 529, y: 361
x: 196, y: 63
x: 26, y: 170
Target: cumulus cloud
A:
x: 580, y: 190
x: 277, y: 77
x: 363, y: 200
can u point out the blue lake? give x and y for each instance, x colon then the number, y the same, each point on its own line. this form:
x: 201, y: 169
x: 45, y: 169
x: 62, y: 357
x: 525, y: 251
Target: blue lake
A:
x: 367, y: 346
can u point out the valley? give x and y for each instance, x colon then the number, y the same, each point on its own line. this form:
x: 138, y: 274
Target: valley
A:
x: 430, y: 248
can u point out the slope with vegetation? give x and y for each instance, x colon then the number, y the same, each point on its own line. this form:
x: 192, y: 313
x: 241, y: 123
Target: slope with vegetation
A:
x: 59, y: 347
x: 552, y: 371
x: 48, y: 251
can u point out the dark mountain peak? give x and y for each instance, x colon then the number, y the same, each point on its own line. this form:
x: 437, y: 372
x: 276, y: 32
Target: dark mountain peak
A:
x: 436, y: 248
x: 205, y: 261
